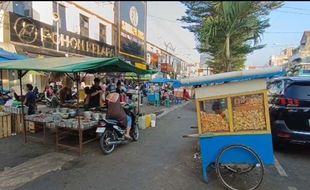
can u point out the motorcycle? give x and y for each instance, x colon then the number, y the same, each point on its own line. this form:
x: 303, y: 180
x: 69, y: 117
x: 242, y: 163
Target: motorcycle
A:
x: 112, y: 133
x: 52, y: 102
x: 4, y: 96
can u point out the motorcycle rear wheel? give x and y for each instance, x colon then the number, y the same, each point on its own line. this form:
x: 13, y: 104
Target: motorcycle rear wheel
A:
x: 134, y: 133
x: 107, y: 136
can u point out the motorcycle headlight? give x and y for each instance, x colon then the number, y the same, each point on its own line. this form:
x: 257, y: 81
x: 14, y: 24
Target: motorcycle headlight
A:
x: 102, y: 123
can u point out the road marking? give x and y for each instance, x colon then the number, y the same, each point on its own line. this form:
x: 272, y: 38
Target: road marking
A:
x: 291, y: 188
x: 279, y: 168
x: 15, y: 177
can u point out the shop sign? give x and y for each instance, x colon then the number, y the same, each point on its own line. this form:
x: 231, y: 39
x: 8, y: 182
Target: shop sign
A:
x: 25, y: 30
x: 132, y: 27
x: 152, y: 59
x: 141, y: 66
x: 166, y: 68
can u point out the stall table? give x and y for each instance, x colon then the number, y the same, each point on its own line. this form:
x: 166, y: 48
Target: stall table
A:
x: 64, y: 132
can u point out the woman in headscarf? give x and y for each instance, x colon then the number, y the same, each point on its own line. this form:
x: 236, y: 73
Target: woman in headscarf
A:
x: 117, y: 112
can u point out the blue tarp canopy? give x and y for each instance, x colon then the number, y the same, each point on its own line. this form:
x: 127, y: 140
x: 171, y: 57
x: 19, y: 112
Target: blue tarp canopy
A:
x: 235, y: 76
x: 175, y: 83
x: 7, y: 56
x: 160, y: 80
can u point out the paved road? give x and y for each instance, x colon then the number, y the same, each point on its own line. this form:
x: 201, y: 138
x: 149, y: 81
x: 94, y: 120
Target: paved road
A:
x: 162, y: 159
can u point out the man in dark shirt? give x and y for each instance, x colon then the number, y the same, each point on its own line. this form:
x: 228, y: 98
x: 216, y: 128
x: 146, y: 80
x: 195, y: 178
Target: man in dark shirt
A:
x: 30, y: 100
x: 118, y: 87
x: 95, y: 91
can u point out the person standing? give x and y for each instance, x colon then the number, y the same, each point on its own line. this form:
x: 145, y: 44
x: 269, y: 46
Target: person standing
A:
x: 118, y: 87
x: 30, y: 100
x: 95, y: 91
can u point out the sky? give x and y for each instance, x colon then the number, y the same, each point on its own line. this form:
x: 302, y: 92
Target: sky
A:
x: 287, y: 26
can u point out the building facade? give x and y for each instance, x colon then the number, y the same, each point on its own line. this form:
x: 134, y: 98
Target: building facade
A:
x: 56, y: 29
x: 164, y: 61
x: 80, y: 28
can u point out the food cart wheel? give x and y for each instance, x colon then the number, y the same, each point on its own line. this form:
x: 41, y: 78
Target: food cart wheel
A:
x: 240, y: 169
x: 240, y: 176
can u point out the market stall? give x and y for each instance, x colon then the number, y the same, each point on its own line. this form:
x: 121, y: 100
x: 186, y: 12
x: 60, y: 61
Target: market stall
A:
x: 154, y: 97
x: 65, y: 121
x: 234, y: 128
x: 6, y: 56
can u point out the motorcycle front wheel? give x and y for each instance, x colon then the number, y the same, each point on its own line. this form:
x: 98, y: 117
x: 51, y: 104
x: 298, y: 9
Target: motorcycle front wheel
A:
x: 108, y: 136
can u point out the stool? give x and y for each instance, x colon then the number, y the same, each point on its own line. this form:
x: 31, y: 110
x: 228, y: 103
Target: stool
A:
x: 157, y: 103
x: 167, y: 103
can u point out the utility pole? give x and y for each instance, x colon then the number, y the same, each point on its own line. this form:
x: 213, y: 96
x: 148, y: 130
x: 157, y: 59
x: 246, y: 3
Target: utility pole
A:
x: 116, y: 27
x: 57, y: 27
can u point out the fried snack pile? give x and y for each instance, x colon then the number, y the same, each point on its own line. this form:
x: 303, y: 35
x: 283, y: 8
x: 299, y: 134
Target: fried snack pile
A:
x: 213, y: 123
x: 250, y: 115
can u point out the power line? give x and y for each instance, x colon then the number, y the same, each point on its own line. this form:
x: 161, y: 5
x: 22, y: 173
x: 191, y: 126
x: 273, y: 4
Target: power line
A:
x: 284, y: 32
x: 290, y: 12
x: 295, y: 8
x: 174, y: 21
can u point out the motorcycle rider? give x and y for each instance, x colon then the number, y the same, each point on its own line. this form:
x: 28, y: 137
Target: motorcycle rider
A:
x: 117, y: 112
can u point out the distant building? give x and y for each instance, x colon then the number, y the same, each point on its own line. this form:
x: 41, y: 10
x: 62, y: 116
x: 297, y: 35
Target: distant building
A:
x: 283, y: 58
x: 256, y: 67
x: 164, y: 61
x: 304, y: 48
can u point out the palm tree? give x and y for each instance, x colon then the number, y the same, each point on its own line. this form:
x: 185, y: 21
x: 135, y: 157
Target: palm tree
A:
x: 227, y: 30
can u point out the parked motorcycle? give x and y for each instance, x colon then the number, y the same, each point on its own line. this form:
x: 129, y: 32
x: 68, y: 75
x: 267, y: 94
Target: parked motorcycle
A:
x: 52, y: 102
x: 112, y: 133
x: 4, y: 96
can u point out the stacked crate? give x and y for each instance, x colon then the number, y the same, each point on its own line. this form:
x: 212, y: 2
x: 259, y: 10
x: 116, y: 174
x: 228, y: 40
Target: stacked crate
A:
x: 5, y: 125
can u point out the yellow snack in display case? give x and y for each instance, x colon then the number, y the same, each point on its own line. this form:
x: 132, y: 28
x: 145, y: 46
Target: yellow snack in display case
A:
x: 249, y: 113
x: 211, y: 122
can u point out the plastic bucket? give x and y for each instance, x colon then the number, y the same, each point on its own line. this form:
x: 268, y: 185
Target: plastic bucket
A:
x: 148, y: 120
x: 153, y: 123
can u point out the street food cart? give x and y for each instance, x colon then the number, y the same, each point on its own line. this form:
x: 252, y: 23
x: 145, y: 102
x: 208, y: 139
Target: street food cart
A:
x: 234, y: 127
x: 68, y: 122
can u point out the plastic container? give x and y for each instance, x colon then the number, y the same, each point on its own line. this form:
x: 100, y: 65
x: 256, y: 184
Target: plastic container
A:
x: 153, y: 123
x: 141, y: 122
x: 148, y: 120
x: 153, y: 120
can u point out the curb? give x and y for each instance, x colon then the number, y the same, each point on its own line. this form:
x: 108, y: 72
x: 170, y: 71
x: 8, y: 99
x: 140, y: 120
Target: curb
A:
x: 172, y: 109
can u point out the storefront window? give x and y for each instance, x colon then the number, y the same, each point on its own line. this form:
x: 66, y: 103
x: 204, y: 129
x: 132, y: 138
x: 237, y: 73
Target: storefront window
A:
x: 62, y: 15
x: 102, y: 33
x: 23, y: 8
x: 84, y: 25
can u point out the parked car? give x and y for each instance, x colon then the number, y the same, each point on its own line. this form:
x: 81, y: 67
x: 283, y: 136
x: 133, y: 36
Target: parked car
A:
x: 289, y: 105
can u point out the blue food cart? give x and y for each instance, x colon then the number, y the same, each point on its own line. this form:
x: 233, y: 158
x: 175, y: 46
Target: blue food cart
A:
x: 234, y: 130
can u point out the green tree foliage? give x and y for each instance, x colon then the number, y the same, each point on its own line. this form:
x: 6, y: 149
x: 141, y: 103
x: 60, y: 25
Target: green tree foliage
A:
x: 228, y: 31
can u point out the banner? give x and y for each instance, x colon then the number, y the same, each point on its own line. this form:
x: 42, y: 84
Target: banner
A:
x: 132, y: 28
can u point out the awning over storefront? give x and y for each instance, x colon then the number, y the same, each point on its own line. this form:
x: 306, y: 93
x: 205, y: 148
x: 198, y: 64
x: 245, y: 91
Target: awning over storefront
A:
x: 73, y: 65
x: 8, y: 56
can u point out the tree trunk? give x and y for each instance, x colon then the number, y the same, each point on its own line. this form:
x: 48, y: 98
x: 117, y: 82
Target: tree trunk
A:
x: 228, y: 64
